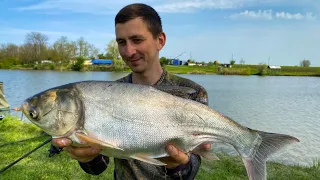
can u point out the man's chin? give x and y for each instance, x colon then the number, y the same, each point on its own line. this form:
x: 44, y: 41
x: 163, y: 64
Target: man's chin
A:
x: 137, y: 69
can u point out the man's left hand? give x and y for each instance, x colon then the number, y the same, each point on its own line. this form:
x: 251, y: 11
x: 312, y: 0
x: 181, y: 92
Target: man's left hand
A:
x: 178, y: 157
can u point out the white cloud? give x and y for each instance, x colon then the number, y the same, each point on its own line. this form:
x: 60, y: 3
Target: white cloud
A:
x: 296, y: 16
x: 187, y: 6
x: 269, y: 15
x: 266, y: 14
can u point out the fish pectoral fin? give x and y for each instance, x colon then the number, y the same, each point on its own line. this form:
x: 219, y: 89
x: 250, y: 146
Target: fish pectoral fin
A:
x: 208, y: 154
x: 147, y: 159
x: 95, y: 142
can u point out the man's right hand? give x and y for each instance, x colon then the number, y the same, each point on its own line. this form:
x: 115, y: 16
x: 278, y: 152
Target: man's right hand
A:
x: 81, y: 154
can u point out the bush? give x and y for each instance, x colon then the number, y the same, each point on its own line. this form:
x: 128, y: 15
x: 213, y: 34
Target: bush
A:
x: 78, y: 66
x: 262, y: 69
x: 164, y: 61
x: 118, y: 64
x: 8, y: 63
x: 52, y: 66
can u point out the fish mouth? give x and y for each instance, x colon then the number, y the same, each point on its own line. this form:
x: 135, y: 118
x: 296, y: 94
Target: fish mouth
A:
x: 30, y: 112
x: 24, y: 108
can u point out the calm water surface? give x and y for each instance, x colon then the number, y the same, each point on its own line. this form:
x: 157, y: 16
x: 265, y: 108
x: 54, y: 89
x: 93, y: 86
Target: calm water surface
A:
x: 289, y: 105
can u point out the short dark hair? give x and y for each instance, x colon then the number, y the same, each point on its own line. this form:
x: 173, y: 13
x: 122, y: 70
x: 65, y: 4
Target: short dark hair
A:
x: 147, y: 13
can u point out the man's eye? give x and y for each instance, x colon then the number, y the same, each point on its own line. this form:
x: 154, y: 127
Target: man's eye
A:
x: 137, y: 41
x: 121, y: 43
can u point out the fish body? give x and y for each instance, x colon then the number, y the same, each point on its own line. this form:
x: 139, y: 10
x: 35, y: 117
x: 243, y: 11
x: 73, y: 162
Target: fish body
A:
x: 138, y: 121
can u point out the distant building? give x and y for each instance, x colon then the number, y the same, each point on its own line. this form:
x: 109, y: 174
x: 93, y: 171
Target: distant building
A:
x: 87, y: 62
x: 190, y: 64
x: 175, y: 62
x: 226, y: 65
x: 101, y: 62
x: 274, y: 67
x: 46, y: 61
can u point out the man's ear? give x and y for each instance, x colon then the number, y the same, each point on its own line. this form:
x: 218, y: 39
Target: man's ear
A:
x: 162, y: 40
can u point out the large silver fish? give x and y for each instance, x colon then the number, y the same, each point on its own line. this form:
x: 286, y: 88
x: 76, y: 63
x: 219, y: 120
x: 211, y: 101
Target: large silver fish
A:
x: 138, y: 121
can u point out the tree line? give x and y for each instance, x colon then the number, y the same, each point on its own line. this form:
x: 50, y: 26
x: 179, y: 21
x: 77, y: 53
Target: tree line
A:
x: 36, y: 47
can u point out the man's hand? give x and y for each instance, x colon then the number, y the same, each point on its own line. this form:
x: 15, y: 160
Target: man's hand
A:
x: 178, y: 157
x: 82, y: 154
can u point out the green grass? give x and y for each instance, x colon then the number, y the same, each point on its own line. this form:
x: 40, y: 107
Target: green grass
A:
x: 233, y: 168
x: 39, y: 166
x: 244, y: 70
x: 191, y: 69
x: 299, y: 71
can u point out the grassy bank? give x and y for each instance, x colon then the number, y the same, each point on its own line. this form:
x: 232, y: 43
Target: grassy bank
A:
x: 39, y: 166
x: 246, y: 70
x: 192, y: 69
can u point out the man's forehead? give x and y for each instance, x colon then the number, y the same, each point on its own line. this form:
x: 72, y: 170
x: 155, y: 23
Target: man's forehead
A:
x: 134, y: 36
x: 132, y: 28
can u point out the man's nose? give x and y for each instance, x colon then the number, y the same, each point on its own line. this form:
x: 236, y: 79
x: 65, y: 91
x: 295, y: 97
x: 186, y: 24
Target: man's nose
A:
x: 130, y: 50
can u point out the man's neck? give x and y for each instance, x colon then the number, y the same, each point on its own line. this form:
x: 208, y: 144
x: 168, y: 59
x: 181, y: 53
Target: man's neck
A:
x: 149, y: 77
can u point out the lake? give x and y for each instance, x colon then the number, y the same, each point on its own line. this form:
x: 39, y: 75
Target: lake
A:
x: 288, y: 105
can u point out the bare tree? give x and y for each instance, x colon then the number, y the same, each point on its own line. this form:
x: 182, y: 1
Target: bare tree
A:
x: 93, y: 51
x: 113, y: 53
x: 9, y: 50
x: 112, y: 49
x: 72, y: 49
x: 26, y: 53
x: 83, y: 47
x: 61, y: 46
x: 39, y: 43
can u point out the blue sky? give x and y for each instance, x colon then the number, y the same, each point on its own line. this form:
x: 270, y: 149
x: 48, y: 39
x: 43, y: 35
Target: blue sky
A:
x: 207, y: 30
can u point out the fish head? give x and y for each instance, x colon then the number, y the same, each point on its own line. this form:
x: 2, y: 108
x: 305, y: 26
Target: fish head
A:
x: 56, y: 111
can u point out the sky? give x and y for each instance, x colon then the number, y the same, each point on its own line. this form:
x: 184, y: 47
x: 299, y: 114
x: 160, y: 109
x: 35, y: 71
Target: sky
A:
x: 278, y: 32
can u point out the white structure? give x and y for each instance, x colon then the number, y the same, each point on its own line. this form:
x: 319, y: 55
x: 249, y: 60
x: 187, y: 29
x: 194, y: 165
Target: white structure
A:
x: 274, y: 67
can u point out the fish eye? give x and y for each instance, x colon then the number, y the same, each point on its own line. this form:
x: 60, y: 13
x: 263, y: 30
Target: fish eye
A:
x: 33, y: 113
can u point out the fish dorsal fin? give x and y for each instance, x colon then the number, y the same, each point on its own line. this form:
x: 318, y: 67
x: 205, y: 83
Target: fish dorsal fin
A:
x: 147, y: 159
x: 180, y: 91
x: 95, y: 142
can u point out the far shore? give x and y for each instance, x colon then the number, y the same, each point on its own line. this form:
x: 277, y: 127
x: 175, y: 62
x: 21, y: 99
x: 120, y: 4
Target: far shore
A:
x: 245, y: 70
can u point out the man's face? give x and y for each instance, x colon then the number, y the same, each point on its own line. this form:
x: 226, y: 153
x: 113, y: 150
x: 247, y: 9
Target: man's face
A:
x: 137, y: 46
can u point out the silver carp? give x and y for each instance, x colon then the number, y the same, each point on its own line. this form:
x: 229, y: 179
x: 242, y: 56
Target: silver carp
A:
x: 139, y: 121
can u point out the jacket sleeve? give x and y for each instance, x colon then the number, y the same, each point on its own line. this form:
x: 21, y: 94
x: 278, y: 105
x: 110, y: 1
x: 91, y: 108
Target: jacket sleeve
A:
x: 186, y: 171
x: 96, y: 166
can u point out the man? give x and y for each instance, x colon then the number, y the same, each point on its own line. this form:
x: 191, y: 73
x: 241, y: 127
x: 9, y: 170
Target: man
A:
x: 140, y: 38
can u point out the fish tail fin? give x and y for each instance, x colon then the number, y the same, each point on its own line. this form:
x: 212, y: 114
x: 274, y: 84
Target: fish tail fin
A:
x: 271, y: 142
